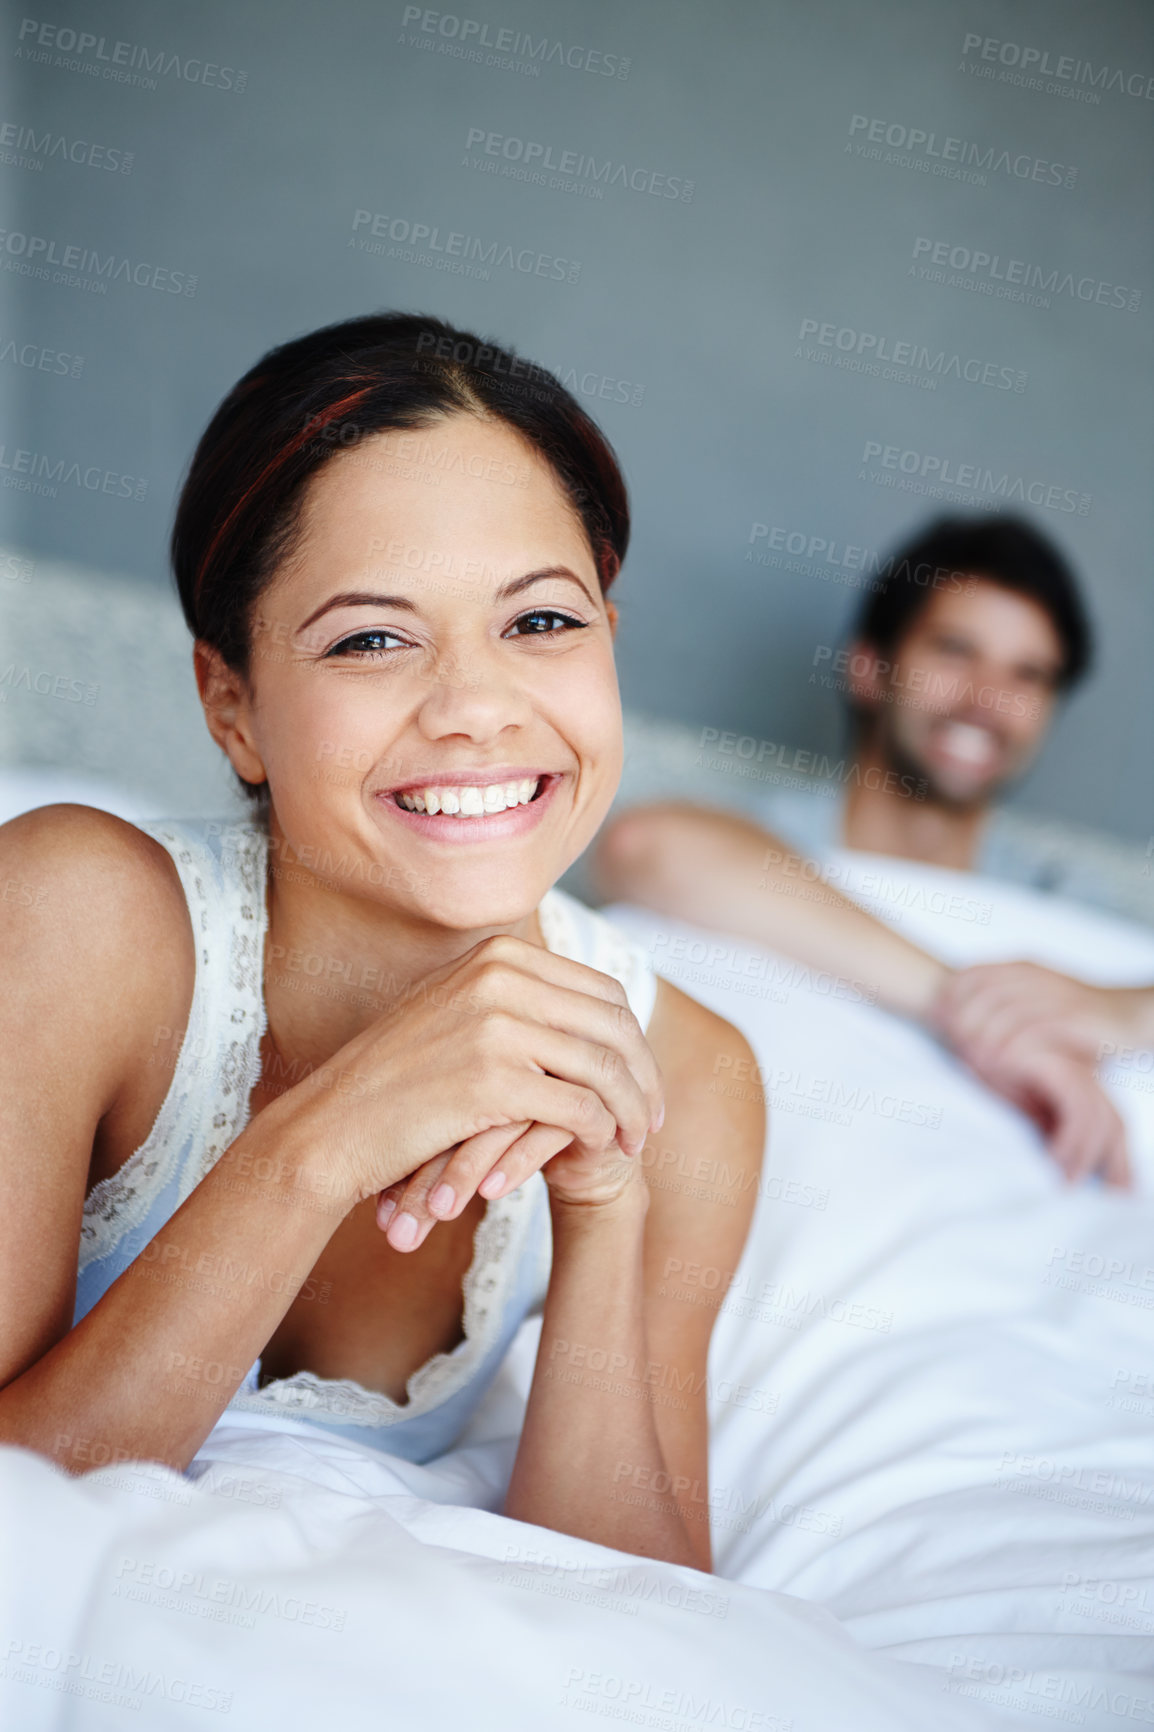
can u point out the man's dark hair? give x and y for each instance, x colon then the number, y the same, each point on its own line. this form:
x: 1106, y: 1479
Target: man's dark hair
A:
x: 1005, y: 550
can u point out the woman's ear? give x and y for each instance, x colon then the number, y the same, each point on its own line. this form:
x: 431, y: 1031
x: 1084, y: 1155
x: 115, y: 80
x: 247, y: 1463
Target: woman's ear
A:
x: 611, y: 610
x: 227, y: 711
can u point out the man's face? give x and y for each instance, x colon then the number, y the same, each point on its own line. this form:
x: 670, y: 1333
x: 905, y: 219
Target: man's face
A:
x: 967, y: 696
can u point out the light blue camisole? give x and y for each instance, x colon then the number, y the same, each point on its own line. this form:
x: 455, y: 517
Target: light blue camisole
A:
x: 223, y: 869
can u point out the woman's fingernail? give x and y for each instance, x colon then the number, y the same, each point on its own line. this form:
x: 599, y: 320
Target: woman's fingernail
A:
x: 386, y: 1209
x: 441, y: 1199
x: 493, y: 1185
x: 660, y: 1119
x: 403, y: 1232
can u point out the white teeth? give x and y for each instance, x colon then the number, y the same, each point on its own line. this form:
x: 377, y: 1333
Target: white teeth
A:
x: 470, y: 800
x: 972, y: 744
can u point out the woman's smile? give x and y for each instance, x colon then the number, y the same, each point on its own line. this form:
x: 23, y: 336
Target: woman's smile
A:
x: 488, y: 805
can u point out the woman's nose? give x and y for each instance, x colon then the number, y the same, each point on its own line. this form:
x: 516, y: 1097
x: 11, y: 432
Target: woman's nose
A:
x: 470, y: 693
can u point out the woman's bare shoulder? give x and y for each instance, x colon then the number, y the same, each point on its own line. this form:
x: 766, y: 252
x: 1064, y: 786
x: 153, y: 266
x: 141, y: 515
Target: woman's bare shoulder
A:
x: 95, y: 927
x: 89, y: 861
x: 691, y: 1040
x: 711, y: 1080
x: 703, y: 1170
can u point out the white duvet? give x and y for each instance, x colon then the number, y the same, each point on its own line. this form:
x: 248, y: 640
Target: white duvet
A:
x: 932, y: 1473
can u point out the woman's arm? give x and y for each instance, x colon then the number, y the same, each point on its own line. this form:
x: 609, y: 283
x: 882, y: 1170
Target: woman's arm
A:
x: 79, y: 960
x: 81, y: 1002
x: 720, y: 870
x: 579, y: 1435
x: 146, y: 1374
x: 619, y: 1391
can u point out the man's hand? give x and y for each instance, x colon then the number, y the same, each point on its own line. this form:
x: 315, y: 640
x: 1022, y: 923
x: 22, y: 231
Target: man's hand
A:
x: 981, y: 1010
x: 1033, y: 1036
x: 1060, y: 1092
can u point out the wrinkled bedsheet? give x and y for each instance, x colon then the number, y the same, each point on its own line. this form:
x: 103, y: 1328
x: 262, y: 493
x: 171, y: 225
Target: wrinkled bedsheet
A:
x: 932, y: 1466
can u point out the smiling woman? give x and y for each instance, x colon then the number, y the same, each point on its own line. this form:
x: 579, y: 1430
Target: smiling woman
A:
x: 357, y: 1062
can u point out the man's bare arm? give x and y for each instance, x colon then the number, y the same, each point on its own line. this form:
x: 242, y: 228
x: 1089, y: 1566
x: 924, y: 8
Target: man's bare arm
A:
x: 723, y: 871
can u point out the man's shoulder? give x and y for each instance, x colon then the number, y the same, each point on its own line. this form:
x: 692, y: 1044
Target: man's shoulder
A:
x: 1059, y: 836
x: 1071, y: 859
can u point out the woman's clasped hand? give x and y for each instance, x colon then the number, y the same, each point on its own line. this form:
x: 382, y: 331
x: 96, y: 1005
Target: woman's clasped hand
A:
x: 504, y: 1061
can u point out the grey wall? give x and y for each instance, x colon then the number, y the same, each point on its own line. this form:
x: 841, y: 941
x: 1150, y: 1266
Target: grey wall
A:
x: 683, y: 326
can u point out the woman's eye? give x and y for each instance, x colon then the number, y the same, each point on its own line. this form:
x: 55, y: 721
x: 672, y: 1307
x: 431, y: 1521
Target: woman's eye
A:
x: 348, y: 645
x: 543, y: 621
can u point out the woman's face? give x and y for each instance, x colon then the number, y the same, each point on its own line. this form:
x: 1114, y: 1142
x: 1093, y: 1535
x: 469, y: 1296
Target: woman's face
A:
x: 432, y: 691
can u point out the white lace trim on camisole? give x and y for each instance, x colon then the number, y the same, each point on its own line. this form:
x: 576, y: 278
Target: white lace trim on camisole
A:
x: 207, y: 1107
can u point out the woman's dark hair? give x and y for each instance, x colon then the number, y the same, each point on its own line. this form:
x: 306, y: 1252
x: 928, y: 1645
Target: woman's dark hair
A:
x: 309, y: 399
x: 1005, y: 550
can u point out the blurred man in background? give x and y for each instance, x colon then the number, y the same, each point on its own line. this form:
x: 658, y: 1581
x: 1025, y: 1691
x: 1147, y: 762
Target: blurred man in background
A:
x: 955, y: 669
x: 956, y: 666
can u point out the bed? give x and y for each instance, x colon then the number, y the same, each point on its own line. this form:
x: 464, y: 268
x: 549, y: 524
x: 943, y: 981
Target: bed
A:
x: 932, y: 1480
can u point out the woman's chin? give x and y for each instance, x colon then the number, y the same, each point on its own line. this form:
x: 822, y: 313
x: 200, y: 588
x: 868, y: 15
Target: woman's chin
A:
x: 481, y: 908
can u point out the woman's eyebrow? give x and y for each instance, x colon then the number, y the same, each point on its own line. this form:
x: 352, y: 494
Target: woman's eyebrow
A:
x: 366, y: 598
x: 359, y: 598
x: 520, y: 583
